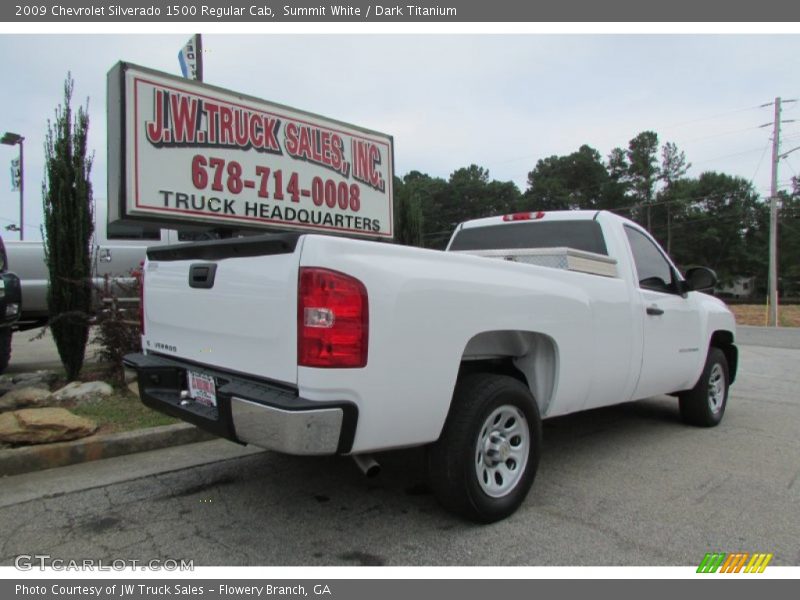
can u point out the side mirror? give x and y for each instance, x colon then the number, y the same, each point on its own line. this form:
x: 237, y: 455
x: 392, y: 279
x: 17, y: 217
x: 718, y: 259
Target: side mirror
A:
x: 700, y: 279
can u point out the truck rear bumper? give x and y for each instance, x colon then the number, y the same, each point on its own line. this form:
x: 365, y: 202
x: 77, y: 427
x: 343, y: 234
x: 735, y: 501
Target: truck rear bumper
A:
x: 290, y: 431
x: 248, y: 411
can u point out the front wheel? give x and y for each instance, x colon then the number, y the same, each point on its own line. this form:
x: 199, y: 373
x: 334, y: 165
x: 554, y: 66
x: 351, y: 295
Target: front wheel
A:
x: 485, y: 461
x: 704, y: 404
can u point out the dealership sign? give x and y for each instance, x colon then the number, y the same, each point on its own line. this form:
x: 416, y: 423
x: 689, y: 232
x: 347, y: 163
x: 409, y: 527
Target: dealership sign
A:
x: 186, y: 152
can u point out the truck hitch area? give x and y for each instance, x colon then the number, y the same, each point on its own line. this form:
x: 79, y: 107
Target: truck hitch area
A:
x: 186, y: 398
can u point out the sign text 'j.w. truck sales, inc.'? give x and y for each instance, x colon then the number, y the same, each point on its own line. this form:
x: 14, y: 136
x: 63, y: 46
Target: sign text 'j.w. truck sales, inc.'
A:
x: 186, y: 152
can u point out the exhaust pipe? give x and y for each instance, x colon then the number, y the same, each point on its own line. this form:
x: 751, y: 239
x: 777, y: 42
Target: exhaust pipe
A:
x: 368, y: 465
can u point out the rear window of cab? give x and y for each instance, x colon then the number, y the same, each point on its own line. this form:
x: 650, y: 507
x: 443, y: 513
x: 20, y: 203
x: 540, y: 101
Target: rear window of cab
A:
x: 580, y: 235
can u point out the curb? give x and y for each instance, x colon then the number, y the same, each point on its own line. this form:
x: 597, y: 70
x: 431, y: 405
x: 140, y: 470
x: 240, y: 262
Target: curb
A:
x: 16, y: 461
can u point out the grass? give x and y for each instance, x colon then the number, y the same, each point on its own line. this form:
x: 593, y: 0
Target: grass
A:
x: 122, y: 412
x: 754, y: 314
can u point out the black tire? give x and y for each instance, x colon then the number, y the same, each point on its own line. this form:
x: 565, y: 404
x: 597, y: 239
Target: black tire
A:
x: 457, y: 458
x: 5, y: 348
x: 704, y: 405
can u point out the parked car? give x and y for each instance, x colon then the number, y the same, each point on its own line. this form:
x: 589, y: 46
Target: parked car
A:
x: 10, y: 301
x: 311, y: 344
x: 117, y: 249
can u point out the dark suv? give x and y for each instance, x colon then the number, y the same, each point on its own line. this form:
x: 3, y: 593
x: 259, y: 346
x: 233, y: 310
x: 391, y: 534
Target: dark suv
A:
x: 10, y: 301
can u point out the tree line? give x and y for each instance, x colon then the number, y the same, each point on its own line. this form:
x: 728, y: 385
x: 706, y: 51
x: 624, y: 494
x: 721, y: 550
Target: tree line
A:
x: 714, y: 219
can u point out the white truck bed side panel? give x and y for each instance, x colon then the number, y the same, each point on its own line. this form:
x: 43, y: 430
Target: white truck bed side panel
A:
x: 424, y: 307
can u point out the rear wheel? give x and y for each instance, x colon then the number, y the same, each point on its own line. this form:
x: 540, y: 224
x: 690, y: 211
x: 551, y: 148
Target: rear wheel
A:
x: 485, y: 461
x: 704, y: 405
x: 5, y: 348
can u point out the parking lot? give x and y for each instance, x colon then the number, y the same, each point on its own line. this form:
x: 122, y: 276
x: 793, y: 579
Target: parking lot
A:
x: 629, y: 485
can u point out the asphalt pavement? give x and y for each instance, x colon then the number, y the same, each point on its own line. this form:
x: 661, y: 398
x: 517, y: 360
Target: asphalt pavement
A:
x: 627, y: 485
x: 770, y: 337
x: 33, y: 349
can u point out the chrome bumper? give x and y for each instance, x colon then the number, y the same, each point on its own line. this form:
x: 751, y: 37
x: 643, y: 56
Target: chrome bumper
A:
x: 314, y: 431
x: 248, y: 411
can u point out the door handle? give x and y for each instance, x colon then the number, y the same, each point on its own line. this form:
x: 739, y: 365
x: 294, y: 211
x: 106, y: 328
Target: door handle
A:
x: 201, y: 275
x: 105, y: 254
x: 654, y: 310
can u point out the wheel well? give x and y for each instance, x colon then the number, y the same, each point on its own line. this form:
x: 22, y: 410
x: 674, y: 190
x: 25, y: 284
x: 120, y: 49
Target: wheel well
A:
x: 527, y: 356
x: 724, y: 341
x: 497, y: 366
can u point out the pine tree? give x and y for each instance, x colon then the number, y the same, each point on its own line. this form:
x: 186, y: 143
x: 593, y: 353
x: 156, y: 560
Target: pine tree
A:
x: 68, y: 227
x: 407, y: 214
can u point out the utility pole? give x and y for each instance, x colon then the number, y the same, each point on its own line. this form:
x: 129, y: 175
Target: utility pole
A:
x: 773, y: 218
x: 772, y: 284
x: 21, y: 190
x: 12, y: 139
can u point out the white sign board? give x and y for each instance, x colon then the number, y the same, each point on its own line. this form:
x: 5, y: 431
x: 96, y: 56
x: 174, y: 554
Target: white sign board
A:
x: 193, y: 153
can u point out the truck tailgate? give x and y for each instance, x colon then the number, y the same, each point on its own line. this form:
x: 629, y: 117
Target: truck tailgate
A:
x: 230, y: 304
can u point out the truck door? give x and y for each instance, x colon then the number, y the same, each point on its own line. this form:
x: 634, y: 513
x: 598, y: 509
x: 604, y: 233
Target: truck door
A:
x: 672, y: 332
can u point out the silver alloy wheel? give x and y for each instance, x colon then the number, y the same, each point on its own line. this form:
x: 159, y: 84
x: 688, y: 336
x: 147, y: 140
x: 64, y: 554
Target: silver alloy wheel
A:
x: 716, y: 388
x: 501, y: 451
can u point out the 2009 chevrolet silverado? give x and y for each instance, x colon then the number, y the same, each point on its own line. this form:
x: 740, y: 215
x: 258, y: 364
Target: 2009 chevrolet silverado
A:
x: 310, y: 344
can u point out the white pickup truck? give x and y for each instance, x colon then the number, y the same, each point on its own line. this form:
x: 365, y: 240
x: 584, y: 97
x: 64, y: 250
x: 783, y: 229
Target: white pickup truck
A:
x: 311, y: 344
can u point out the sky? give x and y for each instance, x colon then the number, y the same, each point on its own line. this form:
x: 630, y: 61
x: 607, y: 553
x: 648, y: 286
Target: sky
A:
x: 450, y: 100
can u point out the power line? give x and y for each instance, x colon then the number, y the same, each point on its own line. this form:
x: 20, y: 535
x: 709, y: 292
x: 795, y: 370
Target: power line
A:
x: 709, y: 118
x: 588, y: 191
x: 15, y: 221
x: 715, y: 218
x: 724, y: 133
x: 455, y: 211
x: 706, y: 160
x: 680, y: 224
x: 728, y: 155
x: 760, y: 160
x: 662, y: 128
x: 791, y: 168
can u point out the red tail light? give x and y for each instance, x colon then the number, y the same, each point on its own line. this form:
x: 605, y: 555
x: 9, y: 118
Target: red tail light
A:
x: 332, y: 320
